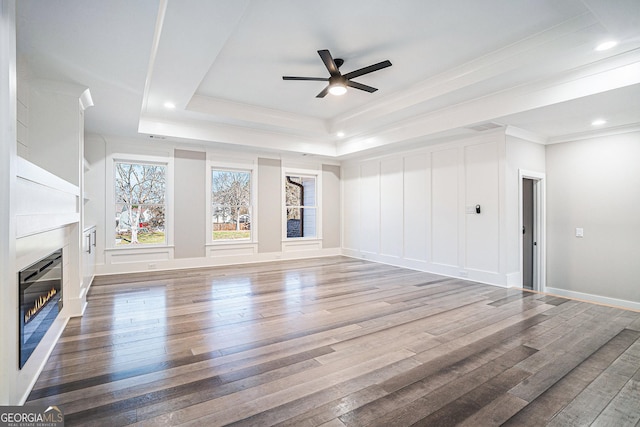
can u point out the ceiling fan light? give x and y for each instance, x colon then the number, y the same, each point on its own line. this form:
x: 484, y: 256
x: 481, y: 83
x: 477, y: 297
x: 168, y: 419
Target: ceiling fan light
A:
x: 337, y: 89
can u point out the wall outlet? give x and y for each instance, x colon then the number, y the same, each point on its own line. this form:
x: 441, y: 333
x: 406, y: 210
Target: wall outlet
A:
x: 579, y: 232
x: 152, y: 266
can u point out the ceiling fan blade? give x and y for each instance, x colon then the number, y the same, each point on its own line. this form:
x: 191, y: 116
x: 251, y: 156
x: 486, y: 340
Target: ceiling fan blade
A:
x: 316, y: 79
x: 329, y: 62
x: 360, y: 86
x: 324, y: 92
x: 369, y: 69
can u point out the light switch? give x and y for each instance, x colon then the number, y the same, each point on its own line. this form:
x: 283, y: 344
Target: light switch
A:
x: 579, y: 232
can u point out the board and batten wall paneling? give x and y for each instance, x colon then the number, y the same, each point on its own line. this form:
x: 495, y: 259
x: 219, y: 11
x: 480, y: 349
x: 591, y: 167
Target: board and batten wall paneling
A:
x: 190, y: 205
x: 370, y: 207
x: 331, y: 206
x: 594, y: 185
x: 444, y: 207
x: 482, y: 231
x: 351, y: 207
x: 416, y: 206
x: 269, y: 206
x: 391, y: 207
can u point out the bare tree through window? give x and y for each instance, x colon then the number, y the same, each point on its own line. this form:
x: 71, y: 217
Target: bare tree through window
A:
x: 140, y: 191
x: 231, y: 204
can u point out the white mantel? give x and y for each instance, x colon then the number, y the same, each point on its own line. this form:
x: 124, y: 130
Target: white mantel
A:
x: 44, y: 201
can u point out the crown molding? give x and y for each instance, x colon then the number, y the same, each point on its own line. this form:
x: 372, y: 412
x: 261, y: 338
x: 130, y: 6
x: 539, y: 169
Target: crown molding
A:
x: 204, y: 131
x: 251, y: 114
x: 517, y: 132
x: 578, y: 136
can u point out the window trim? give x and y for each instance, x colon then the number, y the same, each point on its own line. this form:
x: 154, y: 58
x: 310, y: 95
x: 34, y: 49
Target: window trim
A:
x: 315, y: 173
x: 156, y: 159
x: 215, y: 162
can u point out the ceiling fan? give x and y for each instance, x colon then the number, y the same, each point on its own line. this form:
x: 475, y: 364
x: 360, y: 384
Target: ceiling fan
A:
x: 338, y: 82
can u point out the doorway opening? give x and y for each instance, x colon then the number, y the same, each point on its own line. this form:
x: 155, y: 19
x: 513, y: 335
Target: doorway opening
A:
x: 532, y: 230
x: 528, y: 232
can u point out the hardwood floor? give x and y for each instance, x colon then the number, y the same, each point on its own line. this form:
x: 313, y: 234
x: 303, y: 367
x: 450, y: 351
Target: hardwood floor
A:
x: 338, y: 341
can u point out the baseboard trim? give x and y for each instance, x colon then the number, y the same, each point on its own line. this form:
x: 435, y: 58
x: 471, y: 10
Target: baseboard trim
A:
x: 475, y: 276
x: 597, y: 299
x: 186, y: 263
x: 62, y: 324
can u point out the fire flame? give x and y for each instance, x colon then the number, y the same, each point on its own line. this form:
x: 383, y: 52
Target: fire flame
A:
x: 38, y: 304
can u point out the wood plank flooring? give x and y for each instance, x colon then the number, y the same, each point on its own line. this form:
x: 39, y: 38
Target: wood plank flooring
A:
x: 339, y: 342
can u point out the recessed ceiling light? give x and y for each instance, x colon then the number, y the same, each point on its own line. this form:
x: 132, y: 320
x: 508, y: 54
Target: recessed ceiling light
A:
x: 340, y: 134
x: 598, y: 122
x: 169, y: 105
x: 606, y: 45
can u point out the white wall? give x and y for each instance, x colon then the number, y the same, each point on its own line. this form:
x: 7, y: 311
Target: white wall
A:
x: 22, y: 106
x: 594, y: 184
x: 8, y: 282
x: 369, y: 220
x: 351, y: 207
x: 410, y: 208
x: 482, y: 187
x: 391, y: 197
x: 521, y: 155
x: 445, y: 209
x: 416, y: 207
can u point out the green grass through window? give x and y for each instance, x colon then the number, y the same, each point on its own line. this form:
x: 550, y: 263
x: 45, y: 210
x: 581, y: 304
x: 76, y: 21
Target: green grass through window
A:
x: 148, y: 238
x: 231, y: 235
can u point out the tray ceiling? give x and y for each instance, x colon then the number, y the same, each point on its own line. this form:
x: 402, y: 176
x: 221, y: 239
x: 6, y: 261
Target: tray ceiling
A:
x: 527, y: 63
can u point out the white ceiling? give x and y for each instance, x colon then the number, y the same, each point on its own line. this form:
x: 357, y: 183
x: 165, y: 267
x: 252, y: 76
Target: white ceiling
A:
x: 529, y: 64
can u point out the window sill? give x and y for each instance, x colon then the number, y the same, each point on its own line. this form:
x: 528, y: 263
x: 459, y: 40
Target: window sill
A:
x: 232, y: 243
x: 138, y: 247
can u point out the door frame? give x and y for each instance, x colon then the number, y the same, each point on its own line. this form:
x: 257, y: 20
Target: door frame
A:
x: 539, y: 220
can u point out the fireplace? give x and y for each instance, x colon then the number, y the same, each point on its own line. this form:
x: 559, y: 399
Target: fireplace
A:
x: 40, y: 302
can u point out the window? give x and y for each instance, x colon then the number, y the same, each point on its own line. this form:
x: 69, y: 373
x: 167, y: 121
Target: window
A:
x: 231, y: 204
x: 140, y: 203
x: 301, y: 208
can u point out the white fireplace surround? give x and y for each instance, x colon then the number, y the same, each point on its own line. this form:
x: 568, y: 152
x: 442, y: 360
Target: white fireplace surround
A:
x: 47, y: 210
